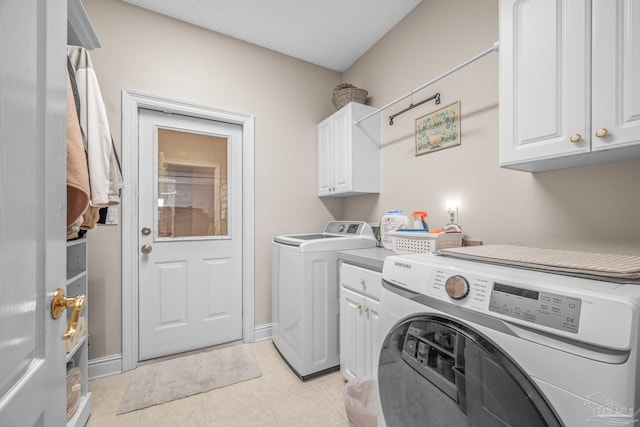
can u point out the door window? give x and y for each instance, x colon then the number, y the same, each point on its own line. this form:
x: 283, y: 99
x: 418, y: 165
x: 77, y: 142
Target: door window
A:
x: 192, y: 185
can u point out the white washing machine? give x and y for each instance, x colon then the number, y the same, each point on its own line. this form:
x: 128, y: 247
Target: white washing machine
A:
x: 464, y: 343
x: 306, y: 294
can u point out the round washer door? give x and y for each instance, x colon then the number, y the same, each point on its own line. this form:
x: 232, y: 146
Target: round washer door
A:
x: 435, y: 371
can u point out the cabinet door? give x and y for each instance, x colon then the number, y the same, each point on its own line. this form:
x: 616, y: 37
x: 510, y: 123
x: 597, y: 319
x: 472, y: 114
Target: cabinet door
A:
x: 615, y: 72
x: 352, y: 334
x: 325, y: 156
x: 343, y: 150
x: 372, y: 320
x: 334, y: 154
x: 544, y: 79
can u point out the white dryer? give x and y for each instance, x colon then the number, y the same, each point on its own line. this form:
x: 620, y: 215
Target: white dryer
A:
x: 306, y: 294
x: 464, y: 343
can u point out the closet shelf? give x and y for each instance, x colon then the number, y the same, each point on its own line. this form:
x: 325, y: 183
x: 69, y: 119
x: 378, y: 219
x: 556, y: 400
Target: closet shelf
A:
x: 77, y: 347
x: 77, y: 284
x: 72, y: 276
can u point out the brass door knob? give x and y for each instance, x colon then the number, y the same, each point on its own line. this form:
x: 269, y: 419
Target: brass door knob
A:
x: 576, y: 137
x: 602, y: 132
x: 146, y: 249
x: 60, y: 303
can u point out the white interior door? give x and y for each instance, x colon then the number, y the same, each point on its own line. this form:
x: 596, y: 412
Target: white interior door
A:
x: 32, y: 211
x: 190, y: 233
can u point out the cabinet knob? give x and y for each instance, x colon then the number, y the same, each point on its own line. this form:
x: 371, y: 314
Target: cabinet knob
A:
x: 362, y: 281
x: 366, y: 309
x: 576, y: 137
x: 602, y: 132
x: 359, y: 306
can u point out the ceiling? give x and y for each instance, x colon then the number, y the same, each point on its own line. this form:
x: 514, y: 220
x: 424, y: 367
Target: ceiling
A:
x: 329, y: 33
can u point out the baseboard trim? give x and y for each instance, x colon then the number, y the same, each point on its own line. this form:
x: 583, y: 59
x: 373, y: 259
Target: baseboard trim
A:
x: 112, y: 365
x: 105, y: 366
x: 264, y: 332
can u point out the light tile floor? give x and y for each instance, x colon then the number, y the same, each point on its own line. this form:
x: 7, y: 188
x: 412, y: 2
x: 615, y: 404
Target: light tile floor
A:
x: 276, y: 399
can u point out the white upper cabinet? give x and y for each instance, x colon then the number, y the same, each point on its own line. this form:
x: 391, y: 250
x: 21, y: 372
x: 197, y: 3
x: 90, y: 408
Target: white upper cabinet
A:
x: 569, y: 92
x: 615, y: 74
x: 349, y: 153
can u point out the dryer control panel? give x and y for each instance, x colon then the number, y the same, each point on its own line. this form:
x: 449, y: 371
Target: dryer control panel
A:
x: 544, y: 308
x: 595, y: 312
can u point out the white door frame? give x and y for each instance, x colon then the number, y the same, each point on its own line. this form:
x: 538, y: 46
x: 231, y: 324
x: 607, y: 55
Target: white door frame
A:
x: 131, y: 103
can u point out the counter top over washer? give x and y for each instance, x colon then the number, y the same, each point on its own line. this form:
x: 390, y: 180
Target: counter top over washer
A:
x: 371, y: 258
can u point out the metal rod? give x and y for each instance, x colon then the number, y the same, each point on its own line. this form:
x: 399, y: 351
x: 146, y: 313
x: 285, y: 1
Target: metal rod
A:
x: 493, y: 48
x: 412, y: 106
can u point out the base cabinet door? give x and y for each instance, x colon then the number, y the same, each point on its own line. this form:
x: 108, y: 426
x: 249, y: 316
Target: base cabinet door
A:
x: 359, y: 319
x: 352, y: 334
x: 372, y: 314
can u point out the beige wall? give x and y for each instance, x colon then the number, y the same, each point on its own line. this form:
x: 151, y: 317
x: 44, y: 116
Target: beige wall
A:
x: 591, y: 208
x: 149, y: 53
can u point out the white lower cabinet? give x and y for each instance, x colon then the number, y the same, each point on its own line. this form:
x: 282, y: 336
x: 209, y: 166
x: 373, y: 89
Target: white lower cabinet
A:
x: 359, y: 315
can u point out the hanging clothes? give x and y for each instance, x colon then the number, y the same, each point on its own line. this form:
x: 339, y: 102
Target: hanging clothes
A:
x: 105, y: 178
x: 77, y: 170
x: 105, y: 175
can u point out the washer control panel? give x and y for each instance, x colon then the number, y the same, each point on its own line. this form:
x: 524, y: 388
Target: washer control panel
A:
x: 355, y: 228
x: 544, y: 308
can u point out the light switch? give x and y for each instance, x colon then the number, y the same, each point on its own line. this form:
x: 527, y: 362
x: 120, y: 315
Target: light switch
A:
x: 112, y: 216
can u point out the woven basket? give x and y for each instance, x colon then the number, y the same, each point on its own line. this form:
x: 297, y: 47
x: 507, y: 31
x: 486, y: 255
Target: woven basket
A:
x: 345, y: 93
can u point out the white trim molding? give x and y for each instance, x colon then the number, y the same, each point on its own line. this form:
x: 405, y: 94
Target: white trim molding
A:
x: 79, y: 29
x: 131, y: 103
x: 264, y: 332
x: 105, y: 366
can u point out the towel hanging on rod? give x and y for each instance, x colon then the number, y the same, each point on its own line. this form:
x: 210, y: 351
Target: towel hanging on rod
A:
x: 493, y: 48
x: 412, y: 106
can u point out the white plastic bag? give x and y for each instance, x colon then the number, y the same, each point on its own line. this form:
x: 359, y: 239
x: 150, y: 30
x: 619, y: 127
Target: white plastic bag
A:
x: 360, y: 402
